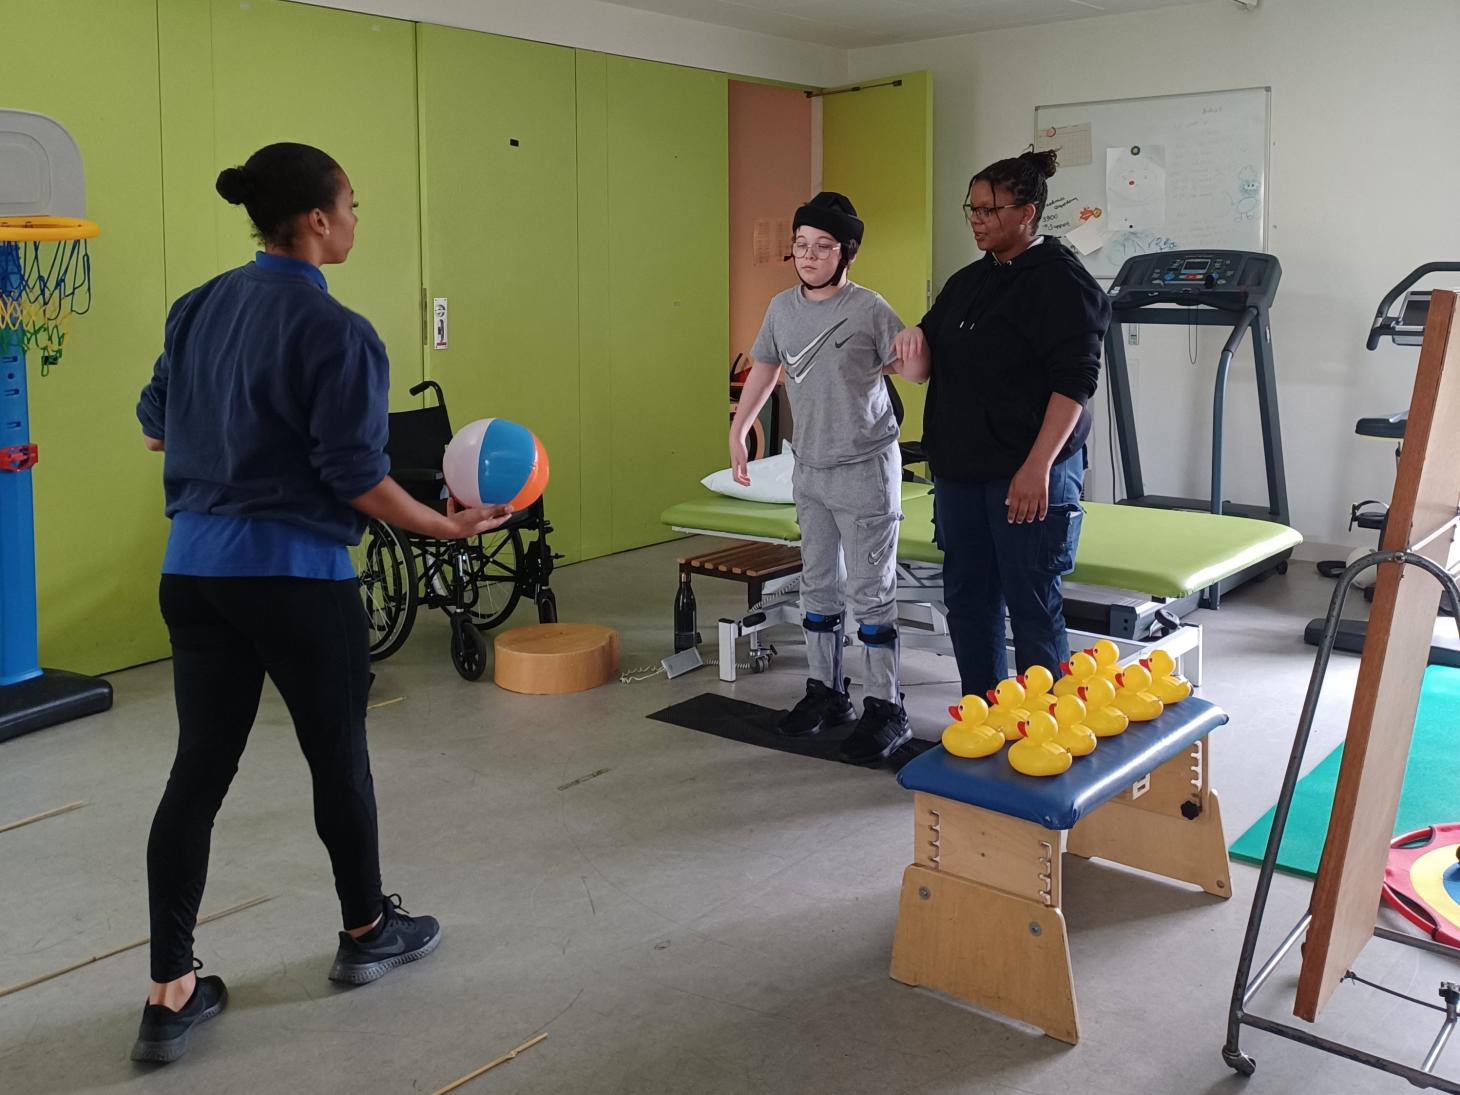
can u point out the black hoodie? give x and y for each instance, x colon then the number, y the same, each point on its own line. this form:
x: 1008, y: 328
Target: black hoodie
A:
x: 1004, y: 337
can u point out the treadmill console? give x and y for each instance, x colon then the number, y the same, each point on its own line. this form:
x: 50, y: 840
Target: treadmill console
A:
x: 1228, y: 280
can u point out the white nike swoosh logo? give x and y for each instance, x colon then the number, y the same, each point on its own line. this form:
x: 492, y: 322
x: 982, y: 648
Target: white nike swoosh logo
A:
x: 792, y: 360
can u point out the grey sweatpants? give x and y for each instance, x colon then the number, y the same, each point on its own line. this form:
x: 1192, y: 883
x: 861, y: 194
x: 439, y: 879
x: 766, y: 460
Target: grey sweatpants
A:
x: 848, y: 516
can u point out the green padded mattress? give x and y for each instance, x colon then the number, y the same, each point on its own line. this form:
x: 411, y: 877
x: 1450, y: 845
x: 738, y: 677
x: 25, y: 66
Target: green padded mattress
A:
x: 1163, y: 553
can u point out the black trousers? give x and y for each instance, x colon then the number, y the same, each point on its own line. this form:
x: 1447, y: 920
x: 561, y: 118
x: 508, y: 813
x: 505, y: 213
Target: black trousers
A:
x: 310, y: 638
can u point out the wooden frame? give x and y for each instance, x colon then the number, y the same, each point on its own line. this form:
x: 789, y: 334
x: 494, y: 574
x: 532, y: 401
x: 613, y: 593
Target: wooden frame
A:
x: 1396, y: 650
x: 980, y: 914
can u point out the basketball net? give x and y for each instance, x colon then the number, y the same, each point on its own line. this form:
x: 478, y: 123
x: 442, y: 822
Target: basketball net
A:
x: 43, y: 283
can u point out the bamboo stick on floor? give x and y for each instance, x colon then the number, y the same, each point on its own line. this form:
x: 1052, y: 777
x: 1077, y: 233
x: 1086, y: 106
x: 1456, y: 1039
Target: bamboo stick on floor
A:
x: 129, y: 947
x: 470, y: 1076
x: 66, y: 809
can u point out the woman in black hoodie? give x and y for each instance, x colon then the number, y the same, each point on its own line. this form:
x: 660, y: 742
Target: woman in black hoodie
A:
x: 1014, y: 343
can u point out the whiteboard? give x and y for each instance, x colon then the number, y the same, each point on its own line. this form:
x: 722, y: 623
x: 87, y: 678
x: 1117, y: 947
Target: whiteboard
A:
x: 1158, y: 174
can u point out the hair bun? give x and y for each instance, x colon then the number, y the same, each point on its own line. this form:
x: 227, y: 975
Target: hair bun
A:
x: 1044, y: 162
x: 235, y: 185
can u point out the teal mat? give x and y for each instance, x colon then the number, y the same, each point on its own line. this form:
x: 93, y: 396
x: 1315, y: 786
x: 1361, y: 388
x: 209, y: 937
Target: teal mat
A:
x: 1431, y: 784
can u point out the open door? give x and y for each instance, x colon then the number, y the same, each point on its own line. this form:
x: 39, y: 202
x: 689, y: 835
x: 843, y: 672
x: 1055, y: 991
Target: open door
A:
x: 877, y: 148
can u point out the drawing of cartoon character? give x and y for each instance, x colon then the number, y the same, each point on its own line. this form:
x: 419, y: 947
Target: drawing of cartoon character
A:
x: 1249, y: 190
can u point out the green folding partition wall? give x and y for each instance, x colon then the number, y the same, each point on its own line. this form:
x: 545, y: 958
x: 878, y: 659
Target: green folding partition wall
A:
x: 654, y: 290
x: 239, y: 76
x: 500, y: 222
x: 877, y: 148
x: 98, y: 497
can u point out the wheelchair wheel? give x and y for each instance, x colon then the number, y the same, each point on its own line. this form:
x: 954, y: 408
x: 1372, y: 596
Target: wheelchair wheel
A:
x: 386, y: 572
x: 468, y: 648
x: 493, y: 580
x: 547, y: 607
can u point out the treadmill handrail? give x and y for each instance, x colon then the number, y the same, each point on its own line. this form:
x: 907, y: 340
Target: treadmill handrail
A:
x: 1219, y: 399
x: 1384, y: 324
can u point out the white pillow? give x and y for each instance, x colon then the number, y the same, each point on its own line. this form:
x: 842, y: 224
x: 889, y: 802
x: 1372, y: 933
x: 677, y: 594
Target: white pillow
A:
x: 770, y: 479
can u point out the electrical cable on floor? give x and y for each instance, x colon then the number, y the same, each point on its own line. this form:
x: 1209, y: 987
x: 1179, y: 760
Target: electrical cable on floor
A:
x: 649, y: 672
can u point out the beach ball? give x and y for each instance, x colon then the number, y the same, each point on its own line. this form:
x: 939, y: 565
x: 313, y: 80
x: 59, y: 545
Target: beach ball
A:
x: 494, y: 462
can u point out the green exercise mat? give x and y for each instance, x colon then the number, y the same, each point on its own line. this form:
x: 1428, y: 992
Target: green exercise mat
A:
x: 1431, y: 783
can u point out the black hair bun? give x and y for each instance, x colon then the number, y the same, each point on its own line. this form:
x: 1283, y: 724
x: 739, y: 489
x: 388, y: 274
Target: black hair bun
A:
x: 234, y: 185
x: 1044, y: 162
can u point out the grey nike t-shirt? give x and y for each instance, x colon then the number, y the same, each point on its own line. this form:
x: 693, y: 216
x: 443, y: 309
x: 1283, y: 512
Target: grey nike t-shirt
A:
x: 833, y: 353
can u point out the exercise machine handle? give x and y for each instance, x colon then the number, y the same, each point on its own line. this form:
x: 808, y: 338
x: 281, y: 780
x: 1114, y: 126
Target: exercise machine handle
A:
x: 1384, y: 323
x: 1219, y: 398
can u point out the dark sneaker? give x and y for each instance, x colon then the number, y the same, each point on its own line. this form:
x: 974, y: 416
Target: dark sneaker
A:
x: 398, y: 938
x: 819, y: 708
x: 165, y: 1033
x: 882, y: 730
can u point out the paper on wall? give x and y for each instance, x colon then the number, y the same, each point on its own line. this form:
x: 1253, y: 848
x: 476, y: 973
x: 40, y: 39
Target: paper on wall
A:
x: 1070, y: 142
x: 1089, y: 237
x: 1135, y: 187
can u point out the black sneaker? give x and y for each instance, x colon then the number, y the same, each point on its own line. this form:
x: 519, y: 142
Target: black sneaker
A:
x: 165, y: 1033
x: 882, y: 730
x: 398, y: 938
x: 819, y: 708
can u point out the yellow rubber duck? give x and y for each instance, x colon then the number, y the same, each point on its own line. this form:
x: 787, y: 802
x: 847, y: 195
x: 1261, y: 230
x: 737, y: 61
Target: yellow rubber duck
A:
x: 1101, y: 715
x: 970, y: 735
x: 1166, y: 684
x: 1107, y: 658
x: 1008, y: 711
x: 1074, y: 735
x: 1037, y: 753
x: 1134, y: 697
x: 1080, y: 668
x: 1037, y: 682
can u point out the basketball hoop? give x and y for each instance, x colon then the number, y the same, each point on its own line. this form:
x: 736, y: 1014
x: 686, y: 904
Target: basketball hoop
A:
x: 45, y: 279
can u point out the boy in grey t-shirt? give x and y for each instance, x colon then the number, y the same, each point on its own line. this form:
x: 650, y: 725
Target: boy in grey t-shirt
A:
x: 833, y: 340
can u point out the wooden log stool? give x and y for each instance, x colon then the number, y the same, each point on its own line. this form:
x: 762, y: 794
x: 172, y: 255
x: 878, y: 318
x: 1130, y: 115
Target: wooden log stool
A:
x: 980, y: 915
x: 551, y: 659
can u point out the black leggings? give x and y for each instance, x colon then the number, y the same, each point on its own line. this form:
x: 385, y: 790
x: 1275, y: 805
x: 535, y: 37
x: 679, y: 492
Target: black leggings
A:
x: 310, y: 638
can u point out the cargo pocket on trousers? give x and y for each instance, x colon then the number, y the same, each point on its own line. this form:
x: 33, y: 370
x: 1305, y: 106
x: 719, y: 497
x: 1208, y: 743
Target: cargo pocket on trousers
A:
x: 1061, y: 535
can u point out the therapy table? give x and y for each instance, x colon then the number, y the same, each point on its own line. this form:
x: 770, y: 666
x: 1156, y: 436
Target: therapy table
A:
x: 1167, y: 554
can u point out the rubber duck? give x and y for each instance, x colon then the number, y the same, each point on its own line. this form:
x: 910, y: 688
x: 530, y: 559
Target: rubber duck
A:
x: 1101, y: 715
x: 1007, y: 701
x: 1080, y: 668
x: 1107, y: 658
x: 970, y: 735
x: 1037, y: 682
x: 1166, y: 684
x: 1134, y: 697
x: 1037, y: 754
x: 1074, y: 735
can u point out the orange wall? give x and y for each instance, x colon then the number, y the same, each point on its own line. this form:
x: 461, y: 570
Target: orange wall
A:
x: 770, y: 175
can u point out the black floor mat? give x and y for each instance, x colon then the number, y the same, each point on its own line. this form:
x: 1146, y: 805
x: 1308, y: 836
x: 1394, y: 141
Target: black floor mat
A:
x: 726, y: 717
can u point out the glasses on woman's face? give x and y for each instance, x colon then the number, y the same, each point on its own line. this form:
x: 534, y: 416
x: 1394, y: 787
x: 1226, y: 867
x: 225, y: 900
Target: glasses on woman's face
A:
x: 821, y: 249
x: 987, y: 212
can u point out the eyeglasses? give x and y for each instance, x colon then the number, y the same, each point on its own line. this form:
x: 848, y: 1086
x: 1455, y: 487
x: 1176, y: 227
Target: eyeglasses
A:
x: 985, y: 212
x: 821, y: 249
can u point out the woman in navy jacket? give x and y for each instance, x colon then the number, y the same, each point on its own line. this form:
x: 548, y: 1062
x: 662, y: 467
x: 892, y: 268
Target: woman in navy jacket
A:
x: 269, y: 401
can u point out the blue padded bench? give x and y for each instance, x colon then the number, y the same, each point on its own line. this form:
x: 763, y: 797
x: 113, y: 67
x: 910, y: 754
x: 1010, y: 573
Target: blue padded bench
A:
x: 980, y: 917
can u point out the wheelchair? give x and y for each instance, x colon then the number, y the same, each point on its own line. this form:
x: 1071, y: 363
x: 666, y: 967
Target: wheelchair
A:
x: 478, y: 582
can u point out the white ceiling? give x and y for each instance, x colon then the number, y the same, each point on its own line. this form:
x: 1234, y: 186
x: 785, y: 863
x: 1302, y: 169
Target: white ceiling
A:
x: 855, y: 24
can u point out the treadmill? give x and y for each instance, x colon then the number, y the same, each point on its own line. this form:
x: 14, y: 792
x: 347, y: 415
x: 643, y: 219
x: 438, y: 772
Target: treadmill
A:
x: 1401, y: 318
x: 1201, y: 288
